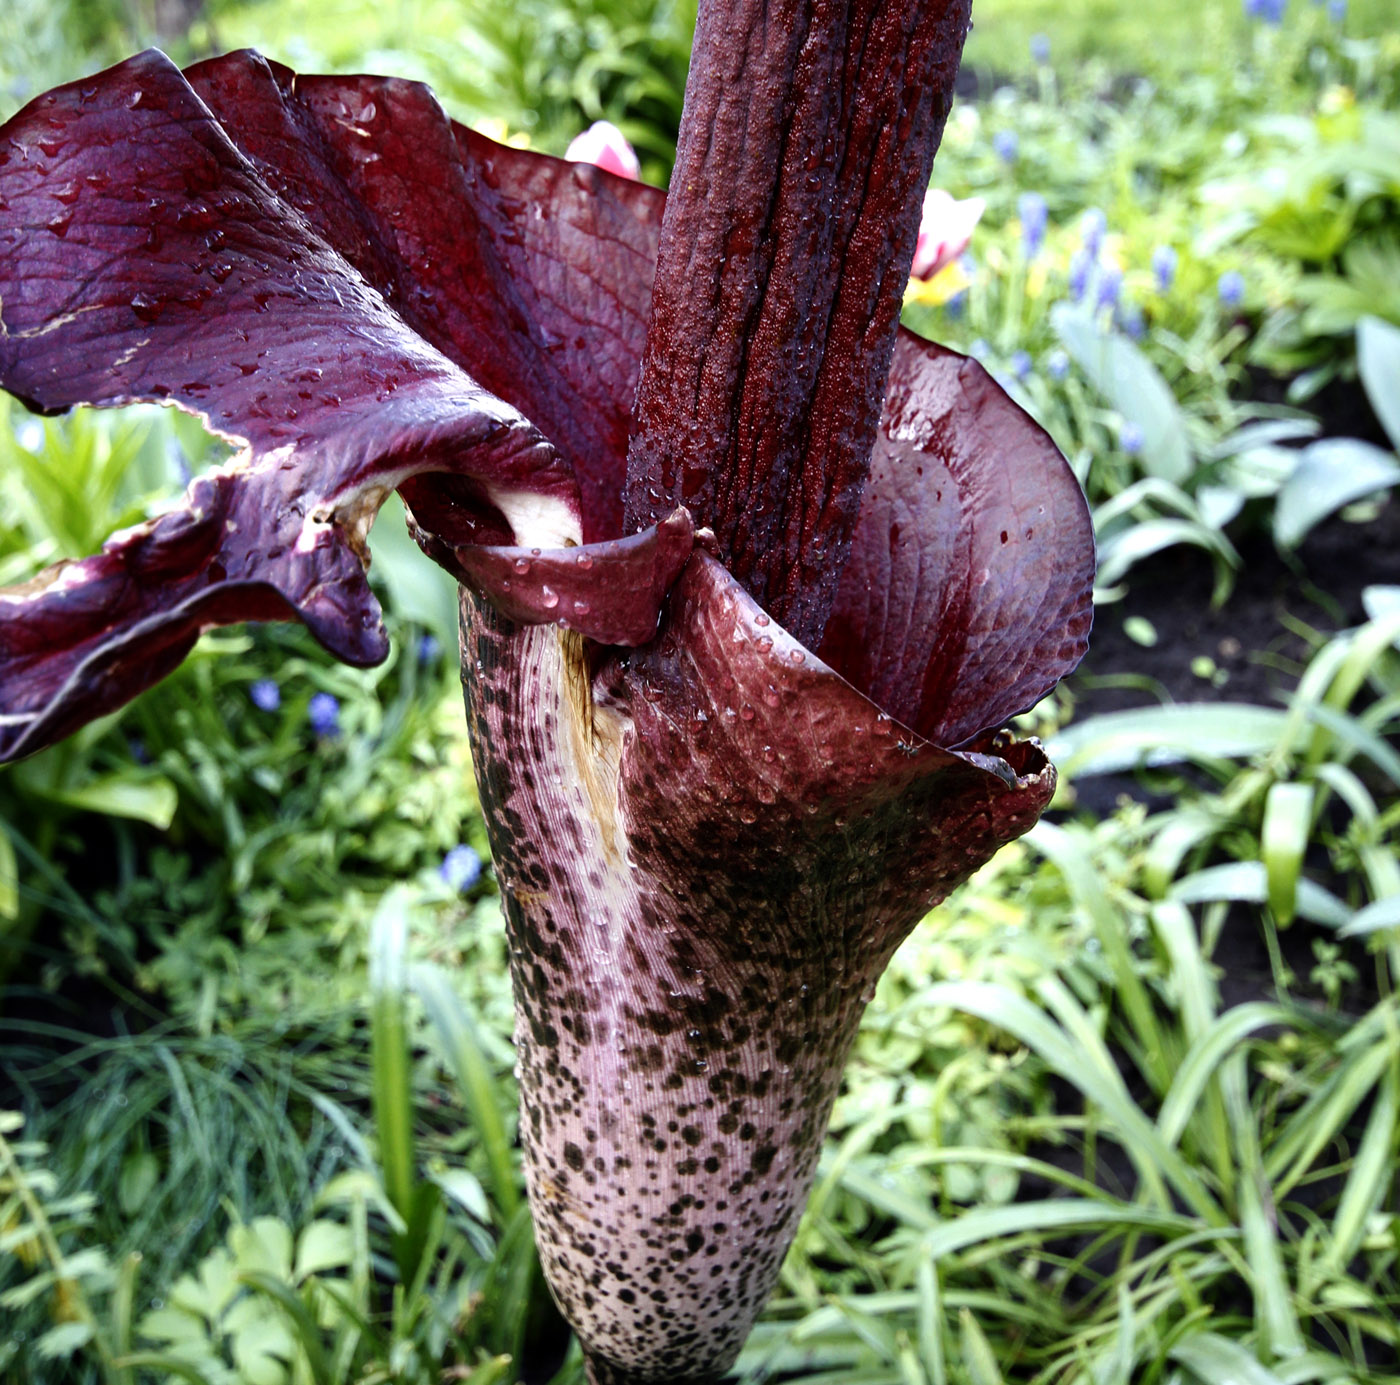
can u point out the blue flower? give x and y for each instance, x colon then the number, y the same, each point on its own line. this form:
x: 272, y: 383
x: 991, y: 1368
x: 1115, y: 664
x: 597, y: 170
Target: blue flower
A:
x: 323, y: 712
x: 1092, y: 227
x: 1110, y: 285
x: 1007, y: 145
x: 1231, y: 288
x: 1130, y: 320
x: 1130, y: 438
x: 428, y: 649
x: 956, y: 306
x: 1030, y: 207
x: 1040, y: 47
x: 1337, y: 10
x: 1021, y: 364
x: 139, y: 753
x: 266, y: 695
x: 1270, y: 11
x: 460, y: 868
x: 1057, y: 364
x: 1079, y: 268
x: 1164, y: 267
x: 979, y: 348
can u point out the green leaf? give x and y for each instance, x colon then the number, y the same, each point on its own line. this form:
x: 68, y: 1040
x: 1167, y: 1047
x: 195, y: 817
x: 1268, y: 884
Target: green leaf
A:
x: 1283, y: 840
x: 1149, y: 736
x: 1203, y: 1060
x: 977, y: 1353
x: 1329, y: 475
x: 139, y: 1176
x: 9, y: 879
x: 1132, y: 384
x: 1378, y: 360
x: 1247, y: 882
x: 1380, y: 913
x: 151, y: 800
x: 62, y: 1341
x: 1119, y: 553
x: 1216, y: 1360
x: 481, y: 1094
x: 1371, y: 1178
x: 324, y: 1245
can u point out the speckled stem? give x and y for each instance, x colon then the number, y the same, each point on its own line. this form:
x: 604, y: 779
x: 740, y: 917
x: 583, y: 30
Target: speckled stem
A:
x: 693, y: 938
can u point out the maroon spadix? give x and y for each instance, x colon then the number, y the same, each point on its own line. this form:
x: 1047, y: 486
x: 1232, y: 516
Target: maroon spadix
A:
x: 751, y: 577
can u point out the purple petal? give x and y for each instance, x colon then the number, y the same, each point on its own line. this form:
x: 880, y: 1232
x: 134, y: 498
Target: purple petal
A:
x: 968, y: 593
x: 160, y: 263
x: 532, y: 273
x: 611, y: 592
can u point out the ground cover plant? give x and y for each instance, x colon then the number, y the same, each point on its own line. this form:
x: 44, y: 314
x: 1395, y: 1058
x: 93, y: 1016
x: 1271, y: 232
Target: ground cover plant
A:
x: 1124, y: 1110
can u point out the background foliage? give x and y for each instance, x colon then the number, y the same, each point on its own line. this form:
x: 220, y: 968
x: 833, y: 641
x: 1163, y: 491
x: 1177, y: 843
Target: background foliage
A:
x: 1126, y: 1110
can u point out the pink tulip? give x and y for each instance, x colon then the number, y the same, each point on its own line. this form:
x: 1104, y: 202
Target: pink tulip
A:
x: 944, y: 231
x: 606, y: 146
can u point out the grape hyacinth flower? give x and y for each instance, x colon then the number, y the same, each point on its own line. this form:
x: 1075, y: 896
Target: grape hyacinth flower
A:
x: 1057, y: 364
x: 460, y: 868
x: 1130, y: 320
x: 265, y: 695
x: 1081, y: 266
x: 1040, y: 48
x: 1164, y: 262
x: 1092, y: 228
x: 1007, y: 145
x: 428, y: 649
x: 1268, y: 11
x: 323, y: 714
x: 1230, y: 288
x: 1110, y: 285
x: 751, y: 579
x: 1021, y: 364
x: 1130, y: 438
x: 1031, y: 209
x: 605, y: 146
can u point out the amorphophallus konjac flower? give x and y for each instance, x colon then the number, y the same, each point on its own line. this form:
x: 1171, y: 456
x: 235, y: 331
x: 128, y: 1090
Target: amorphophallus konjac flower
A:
x: 751, y: 578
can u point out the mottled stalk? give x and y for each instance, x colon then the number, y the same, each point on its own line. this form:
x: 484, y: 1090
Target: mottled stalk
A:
x: 693, y: 843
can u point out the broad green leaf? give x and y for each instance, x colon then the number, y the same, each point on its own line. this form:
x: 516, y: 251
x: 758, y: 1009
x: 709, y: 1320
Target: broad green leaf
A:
x: 1380, y: 601
x: 62, y: 1341
x: 151, y: 800
x: 1149, y: 736
x: 1380, y: 913
x: 1132, y: 384
x: 1378, y: 360
x: 982, y: 1224
x: 324, y: 1245
x: 9, y: 879
x: 1248, y: 883
x: 1217, y: 1360
x: 1329, y: 475
x: 977, y: 1353
x: 1119, y: 553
